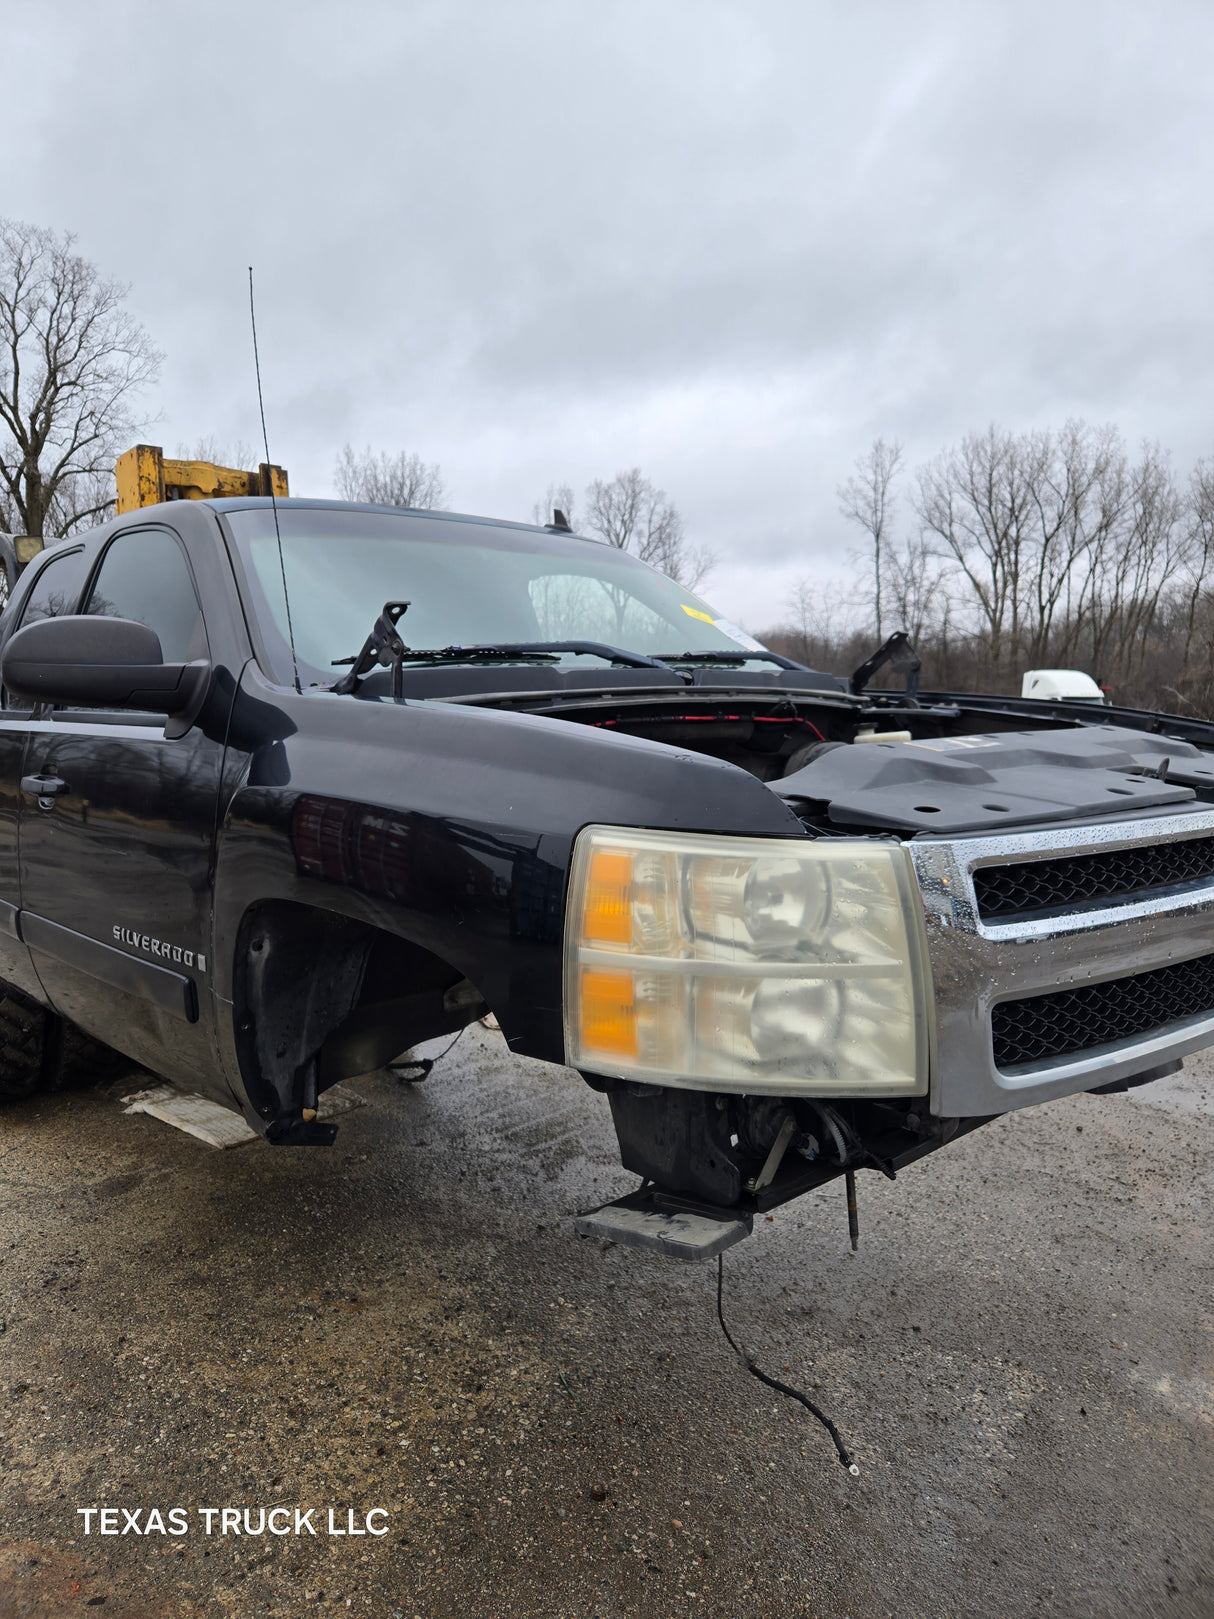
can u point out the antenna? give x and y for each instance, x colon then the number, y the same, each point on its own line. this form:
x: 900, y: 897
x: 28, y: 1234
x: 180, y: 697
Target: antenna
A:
x: 282, y: 567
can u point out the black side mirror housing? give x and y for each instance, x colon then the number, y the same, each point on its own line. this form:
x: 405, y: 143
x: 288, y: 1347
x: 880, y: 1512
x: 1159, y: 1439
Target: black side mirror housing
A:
x: 96, y: 662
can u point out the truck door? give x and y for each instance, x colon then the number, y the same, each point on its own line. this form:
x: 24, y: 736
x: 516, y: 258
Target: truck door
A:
x: 117, y: 827
x: 55, y: 591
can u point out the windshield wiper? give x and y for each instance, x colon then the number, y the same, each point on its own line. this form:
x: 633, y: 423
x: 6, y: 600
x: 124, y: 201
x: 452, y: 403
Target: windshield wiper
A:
x: 733, y: 658
x: 504, y: 651
x: 480, y: 654
x: 384, y: 648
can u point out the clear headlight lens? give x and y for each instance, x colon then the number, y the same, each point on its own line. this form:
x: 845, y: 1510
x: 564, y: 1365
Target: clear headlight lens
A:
x: 747, y: 964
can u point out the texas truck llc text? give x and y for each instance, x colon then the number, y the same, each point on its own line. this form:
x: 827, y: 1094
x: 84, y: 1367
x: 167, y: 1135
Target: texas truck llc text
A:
x: 175, y: 1521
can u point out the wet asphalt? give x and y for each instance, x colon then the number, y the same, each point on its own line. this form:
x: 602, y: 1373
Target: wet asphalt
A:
x: 1019, y: 1356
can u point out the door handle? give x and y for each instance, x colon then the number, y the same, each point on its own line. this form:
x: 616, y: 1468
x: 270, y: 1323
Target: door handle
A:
x: 46, y: 789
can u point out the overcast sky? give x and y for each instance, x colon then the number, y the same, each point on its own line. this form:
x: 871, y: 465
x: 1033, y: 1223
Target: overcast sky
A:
x: 728, y: 242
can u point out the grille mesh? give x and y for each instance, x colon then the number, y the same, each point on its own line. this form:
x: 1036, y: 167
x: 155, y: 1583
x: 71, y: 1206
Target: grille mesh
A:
x: 1032, y: 887
x: 1027, y: 1033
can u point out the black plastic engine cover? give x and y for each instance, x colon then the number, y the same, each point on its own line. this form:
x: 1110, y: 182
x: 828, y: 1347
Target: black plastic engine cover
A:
x: 983, y: 782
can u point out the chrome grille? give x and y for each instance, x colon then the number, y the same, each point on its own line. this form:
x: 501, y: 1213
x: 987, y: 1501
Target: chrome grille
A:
x: 1031, y: 1032
x: 1043, y: 887
x: 1072, y: 996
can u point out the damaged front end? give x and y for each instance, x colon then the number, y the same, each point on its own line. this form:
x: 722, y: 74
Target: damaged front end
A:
x: 709, y: 1163
x: 758, y: 1012
x: 767, y: 1014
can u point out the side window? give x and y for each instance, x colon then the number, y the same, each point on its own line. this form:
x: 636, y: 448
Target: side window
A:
x: 144, y: 576
x: 57, y: 588
x: 55, y: 591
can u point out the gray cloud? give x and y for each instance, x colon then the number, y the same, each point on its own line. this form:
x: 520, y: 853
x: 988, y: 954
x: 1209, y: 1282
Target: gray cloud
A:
x: 730, y: 243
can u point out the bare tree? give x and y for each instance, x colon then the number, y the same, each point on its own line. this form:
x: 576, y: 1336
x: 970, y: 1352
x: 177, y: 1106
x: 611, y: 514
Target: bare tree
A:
x: 1079, y: 488
x: 979, y: 501
x: 558, y: 497
x: 1133, y: 561
x: 1046, y: 547
x: 1197, y: 564
x: 403, y: 479
x: 917, y: 588
x: 866, y: 499
x: 633, y: 515
x: 820, y: 620
x: 616, y: 507
x: 1059, y: 548
x: 821, y: 628
x: 72, y: 361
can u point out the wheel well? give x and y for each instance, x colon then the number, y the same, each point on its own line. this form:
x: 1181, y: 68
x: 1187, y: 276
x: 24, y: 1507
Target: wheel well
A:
x: 319, y: 997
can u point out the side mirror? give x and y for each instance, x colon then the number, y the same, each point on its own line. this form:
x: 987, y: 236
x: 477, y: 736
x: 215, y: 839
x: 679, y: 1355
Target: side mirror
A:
x: 96, y: 662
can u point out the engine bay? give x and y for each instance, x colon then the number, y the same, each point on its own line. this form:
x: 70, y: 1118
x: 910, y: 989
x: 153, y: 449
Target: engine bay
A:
x: 906, y: 765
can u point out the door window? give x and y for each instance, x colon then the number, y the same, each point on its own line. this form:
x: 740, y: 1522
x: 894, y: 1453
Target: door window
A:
x: 55, y: 592
x: 144, y: 576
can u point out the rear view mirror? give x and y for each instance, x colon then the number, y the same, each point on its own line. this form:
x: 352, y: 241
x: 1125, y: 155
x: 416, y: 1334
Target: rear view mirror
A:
x: 94, y: 662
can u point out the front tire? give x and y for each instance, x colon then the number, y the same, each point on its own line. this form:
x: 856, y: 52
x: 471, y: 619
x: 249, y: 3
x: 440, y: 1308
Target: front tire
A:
x: 24, y: 1027
x: 74, y: 1060
x: 40, y: 1052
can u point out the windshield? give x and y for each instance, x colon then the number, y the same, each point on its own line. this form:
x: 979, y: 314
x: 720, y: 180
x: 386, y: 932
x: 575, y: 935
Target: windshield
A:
x: 467, y: 583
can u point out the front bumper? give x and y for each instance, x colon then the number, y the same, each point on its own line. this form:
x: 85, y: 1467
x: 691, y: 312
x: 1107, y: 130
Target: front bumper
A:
x: 975, y: 964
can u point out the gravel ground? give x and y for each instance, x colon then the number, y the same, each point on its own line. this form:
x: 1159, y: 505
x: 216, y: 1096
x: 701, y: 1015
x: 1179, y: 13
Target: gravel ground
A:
x: 1019, y: 1356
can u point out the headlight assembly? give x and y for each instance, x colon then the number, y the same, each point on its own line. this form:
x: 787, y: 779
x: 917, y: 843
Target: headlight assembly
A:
x: 763, y: 965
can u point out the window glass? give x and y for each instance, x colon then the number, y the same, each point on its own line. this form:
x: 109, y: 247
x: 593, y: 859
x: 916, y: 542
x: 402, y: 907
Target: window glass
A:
x: 55, y: 592
x: 578, y: 607
x: 467, y: 583
x: 144, y: 576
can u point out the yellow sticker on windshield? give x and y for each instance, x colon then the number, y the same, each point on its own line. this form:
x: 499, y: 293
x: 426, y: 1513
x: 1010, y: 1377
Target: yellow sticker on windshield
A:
x: 694, y: 612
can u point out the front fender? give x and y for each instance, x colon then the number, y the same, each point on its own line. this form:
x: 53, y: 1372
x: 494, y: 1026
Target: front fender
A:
x: 451, y: 827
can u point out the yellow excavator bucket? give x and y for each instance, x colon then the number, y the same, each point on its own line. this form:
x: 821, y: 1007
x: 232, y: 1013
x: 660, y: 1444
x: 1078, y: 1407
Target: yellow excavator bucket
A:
x: 145, y: 478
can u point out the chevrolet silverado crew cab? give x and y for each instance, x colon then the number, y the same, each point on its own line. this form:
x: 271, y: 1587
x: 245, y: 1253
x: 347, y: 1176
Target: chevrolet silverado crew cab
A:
x: 289, y: 787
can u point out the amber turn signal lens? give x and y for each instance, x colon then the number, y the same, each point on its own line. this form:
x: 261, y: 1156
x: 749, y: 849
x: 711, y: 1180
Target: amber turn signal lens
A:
x: 608, y: 1008
x: 607, y: 915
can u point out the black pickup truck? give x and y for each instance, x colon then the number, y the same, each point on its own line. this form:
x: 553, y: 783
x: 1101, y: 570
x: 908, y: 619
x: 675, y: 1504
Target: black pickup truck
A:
x: 264, y: 826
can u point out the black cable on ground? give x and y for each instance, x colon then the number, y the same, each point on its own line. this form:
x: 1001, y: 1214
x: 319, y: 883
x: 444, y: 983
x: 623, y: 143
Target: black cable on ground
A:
x: 423, y: 1065
x: 774, y: 1382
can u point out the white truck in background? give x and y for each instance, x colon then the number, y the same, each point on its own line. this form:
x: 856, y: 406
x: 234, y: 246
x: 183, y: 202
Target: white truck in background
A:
x: 1061, y: 685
